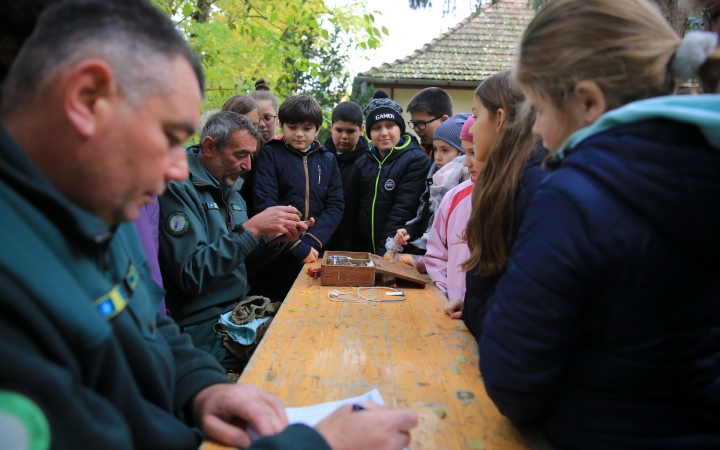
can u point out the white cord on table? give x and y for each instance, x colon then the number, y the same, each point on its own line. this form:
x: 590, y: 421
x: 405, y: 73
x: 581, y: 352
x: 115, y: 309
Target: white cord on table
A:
x: 358, y: 297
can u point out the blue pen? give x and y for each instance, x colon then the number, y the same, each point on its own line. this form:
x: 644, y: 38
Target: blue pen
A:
x: 358, y: 408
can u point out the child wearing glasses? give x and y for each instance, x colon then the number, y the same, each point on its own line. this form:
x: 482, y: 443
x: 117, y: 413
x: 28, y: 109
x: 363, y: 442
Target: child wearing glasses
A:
x: 605, y: 329
x: 268, y: 104
x: 385, y: 184
x: 428, y: 109
x: 297, y: 171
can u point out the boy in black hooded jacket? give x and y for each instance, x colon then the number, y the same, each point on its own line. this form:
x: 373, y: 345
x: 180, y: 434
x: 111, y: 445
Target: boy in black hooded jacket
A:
x: 385, y: 185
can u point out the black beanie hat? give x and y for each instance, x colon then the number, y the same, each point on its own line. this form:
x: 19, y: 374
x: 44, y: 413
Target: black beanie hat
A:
x: 382, y: 108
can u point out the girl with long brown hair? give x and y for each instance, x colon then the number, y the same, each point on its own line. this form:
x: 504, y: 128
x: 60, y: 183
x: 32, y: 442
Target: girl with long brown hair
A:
x: 605, y: 328
x: 503, y: 140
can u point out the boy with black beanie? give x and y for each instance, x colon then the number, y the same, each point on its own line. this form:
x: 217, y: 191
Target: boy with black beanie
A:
x: 385, y: 185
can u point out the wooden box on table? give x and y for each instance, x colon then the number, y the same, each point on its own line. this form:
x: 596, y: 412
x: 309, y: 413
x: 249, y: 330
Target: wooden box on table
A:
x: 363, y: 275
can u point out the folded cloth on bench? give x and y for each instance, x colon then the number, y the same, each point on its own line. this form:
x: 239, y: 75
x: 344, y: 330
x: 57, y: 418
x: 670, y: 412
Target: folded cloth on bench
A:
x: 242, y: 334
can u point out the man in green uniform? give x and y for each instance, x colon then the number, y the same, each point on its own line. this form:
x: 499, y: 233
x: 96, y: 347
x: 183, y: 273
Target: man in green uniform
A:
x: 207, y: 243
x: 94, y: 113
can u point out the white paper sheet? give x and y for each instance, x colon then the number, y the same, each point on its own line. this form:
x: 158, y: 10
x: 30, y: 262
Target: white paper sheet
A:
x: 312, y: 415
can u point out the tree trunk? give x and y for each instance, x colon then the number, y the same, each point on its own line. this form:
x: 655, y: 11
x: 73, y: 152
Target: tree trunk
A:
x: 674, y: 15
x: 203, y: 10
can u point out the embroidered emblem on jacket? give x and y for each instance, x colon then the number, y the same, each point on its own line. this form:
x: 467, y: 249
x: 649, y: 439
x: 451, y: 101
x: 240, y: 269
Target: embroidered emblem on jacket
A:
x: 177, y: 223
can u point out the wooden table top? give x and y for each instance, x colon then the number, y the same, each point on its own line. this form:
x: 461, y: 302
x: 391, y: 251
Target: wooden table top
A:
x: 416, y: 356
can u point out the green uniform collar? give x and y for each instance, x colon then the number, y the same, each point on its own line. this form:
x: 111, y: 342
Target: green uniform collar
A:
x: 20, y: 172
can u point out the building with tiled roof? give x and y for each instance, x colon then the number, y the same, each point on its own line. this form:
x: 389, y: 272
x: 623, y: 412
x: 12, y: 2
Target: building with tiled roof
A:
x: 459, y: 59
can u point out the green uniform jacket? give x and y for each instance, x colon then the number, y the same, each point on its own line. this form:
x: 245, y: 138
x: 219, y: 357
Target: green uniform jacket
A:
x: 203, y: 260
x: 86, y: 359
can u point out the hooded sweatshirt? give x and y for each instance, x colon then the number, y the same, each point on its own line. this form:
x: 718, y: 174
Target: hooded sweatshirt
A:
x: 446, y: 251
x: 440, y: 180
x: 605, y: 329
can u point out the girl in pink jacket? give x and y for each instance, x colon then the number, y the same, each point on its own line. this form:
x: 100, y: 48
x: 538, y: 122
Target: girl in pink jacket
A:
x: 446, y: 250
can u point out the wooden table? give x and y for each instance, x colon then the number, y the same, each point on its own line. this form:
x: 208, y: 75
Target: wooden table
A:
x: 317, y: 351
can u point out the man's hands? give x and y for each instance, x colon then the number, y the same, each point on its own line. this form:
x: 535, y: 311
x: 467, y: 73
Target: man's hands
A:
x: 312, y: 256
x: 221, y: 410
x: 401, y: 237
x: 278, y: 220
x: 454, y: 308
x: 378, y: 427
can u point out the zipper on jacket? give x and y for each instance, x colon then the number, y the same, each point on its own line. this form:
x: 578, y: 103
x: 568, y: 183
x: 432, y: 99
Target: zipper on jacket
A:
x: 307, y: 189
x: 377, y: 180
x: 319, y: 173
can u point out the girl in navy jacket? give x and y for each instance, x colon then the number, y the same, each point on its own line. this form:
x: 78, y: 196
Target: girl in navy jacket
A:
x: 503, y: 141
x: 605, y: 329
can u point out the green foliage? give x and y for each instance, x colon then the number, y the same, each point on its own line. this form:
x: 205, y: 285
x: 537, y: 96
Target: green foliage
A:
x: 298, y: 46
x: 321, y: 72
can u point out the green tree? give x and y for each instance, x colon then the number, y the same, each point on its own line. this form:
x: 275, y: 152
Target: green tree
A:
x: 296, y: 45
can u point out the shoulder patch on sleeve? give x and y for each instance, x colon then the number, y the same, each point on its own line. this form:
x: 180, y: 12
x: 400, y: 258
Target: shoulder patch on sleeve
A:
x: 177, y: 223
x: 23, y: 423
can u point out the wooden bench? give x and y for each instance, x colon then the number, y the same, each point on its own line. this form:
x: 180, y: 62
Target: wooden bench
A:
x: 317, y: 351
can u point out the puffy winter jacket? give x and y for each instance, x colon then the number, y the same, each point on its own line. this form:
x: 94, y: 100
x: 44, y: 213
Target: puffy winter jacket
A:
x: 605, y: 329
x: 479, y: 288
x: 446, y: 250
x: 346, y: 160
x: 308, y: 181
x: 345, y: 163
x: 383, y: 194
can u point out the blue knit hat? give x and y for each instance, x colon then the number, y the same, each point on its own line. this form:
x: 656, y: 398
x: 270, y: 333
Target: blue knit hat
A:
x: 449, y: 131
x: 382, y: 108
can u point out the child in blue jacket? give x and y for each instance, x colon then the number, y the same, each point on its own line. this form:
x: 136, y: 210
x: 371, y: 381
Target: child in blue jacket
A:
x: 605, y: 328
x: 297, y: 171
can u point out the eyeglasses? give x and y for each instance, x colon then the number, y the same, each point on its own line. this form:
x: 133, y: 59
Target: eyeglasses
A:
x: 269, y: 119
x: 421, y: 124
x: 709, y: 15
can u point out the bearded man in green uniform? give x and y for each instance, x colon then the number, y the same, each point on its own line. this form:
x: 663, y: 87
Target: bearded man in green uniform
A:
x: 94, y: 113
x: 207, y: 243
